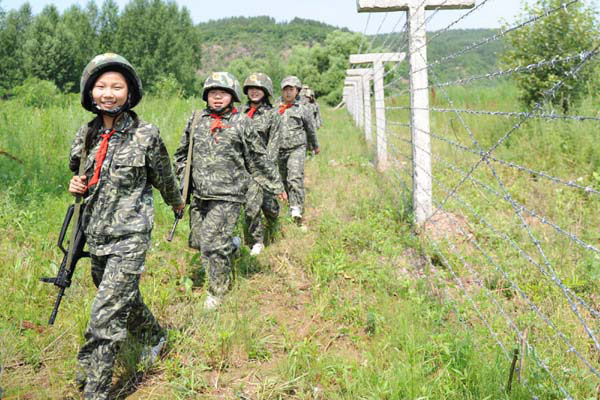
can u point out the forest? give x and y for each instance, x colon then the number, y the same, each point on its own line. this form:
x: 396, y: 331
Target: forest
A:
x: 173, y: 54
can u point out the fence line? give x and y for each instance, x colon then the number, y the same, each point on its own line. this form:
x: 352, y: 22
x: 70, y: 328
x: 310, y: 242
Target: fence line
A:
x: 532, y: 236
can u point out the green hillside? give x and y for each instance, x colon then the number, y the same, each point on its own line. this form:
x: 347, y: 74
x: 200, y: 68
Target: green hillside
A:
x: 173, y: 55
x: 480, y: 60
x: 228, y: 39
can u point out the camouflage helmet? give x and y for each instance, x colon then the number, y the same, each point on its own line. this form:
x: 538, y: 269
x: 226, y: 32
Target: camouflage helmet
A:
x: 224, y: 81
x: 259, y: 80
x: 109, y: 62
x: 291, y: 81
x: 309, y: 93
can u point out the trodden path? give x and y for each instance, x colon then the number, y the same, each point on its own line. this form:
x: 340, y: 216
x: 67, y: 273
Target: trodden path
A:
x: 275, y: 312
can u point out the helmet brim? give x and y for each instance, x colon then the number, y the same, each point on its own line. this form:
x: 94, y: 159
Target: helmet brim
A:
x: 234, y: 95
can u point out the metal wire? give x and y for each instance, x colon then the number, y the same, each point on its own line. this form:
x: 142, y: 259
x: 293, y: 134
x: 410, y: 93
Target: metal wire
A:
x: 484, y: 156
x: 492, y: 38
x: 551, y: 116
x: 494, y: 192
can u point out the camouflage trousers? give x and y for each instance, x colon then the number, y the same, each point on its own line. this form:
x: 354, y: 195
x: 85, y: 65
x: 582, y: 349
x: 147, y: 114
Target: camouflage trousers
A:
x: 211, y: 229
x: 291, y: 169
x: 117, y: 308
x: 256, y: 200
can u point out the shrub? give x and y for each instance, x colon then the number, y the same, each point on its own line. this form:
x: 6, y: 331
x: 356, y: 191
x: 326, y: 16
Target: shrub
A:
x: 36, y: 92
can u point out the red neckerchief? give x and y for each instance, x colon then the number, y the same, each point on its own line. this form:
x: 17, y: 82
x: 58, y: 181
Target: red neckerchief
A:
x: 284, y: 107
x: 100, y: 155
x: 252, y: 111
x: 218, y: 124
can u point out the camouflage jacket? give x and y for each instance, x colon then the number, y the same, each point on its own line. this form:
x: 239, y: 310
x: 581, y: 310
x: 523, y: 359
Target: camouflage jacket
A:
x: 298, y: 126
x: 317, y: 114
x: 267, y: 123
x: 222, y: 162
x: 120, y: 206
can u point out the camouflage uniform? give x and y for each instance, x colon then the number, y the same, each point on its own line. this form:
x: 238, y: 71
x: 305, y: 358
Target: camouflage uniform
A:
x: 267, y: 123
x: 302, y: 97
x: 298, y: 131
x: 118, y: 221
x: 222, y: 163
x: 312, y: 103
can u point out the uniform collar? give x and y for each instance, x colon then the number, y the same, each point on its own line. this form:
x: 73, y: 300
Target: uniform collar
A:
x: 123, y: 122
x: 225, y: 113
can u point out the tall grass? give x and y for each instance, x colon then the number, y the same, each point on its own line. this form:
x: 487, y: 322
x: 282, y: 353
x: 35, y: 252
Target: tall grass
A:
x: 348, y: 308
x: 494, y: 249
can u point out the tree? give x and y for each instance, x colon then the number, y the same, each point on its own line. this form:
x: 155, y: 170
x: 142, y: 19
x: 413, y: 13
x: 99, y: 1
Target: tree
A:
x: 569, y: 31
x: 107, y: 25
x: 51, y: 50
x: 13, y: 28
x: 84, y: 44
x: 159, y: 39
x: 323, y: 67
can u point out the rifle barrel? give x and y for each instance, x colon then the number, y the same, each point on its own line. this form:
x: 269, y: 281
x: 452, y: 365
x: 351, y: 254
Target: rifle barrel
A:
x: 61, y: 292
x: 170, y: 238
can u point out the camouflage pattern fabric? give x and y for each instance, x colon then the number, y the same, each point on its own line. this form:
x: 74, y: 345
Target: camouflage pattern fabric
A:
x: 257, y: 201
x: 222, y: 166
x: 118, y: 220
x: 291, y: 81
x: 309, y: 95
x: 317, y: 114
x: 211, y: 224
x: 298, y: 127
x: 267, y: 122
x: 259, y: 80
x: 118, y: 308
x: 224, y: 160
x: 119, y: 208
x: 225, y: 81
x: 291, y: 168
x: 254, y: 199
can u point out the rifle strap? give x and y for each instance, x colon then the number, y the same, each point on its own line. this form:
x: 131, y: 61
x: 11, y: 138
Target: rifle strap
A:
x: 188, y: 163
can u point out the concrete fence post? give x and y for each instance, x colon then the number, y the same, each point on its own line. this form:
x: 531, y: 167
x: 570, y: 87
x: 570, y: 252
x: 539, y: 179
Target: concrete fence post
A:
x: 419, y: 94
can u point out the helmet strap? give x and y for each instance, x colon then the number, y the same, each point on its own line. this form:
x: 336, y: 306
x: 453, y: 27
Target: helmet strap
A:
x: 221, y: 111
x: 113, y: 112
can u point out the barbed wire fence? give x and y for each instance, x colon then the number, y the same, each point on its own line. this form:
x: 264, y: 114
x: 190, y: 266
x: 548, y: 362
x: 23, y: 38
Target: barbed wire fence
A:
x: 513, y: 233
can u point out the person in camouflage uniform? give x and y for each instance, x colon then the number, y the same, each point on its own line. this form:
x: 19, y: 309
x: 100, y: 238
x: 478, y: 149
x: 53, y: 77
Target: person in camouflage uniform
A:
x: 302, y: 97
x: 298, y: 131
x: 126, y: 158
x: 258, y: 87
x: 226, y: 152
x: 312, y: 103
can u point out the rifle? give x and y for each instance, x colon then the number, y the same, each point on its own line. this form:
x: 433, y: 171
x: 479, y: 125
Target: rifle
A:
x: 76, y: 244
x: 71, y: 255
x: 186, y: 178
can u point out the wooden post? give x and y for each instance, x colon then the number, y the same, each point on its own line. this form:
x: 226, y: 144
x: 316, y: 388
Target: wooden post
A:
x: 377, y: 59
x: 366, y: 74
x: 419, y: 99
x: 512, y: 370
x: 522, y: 358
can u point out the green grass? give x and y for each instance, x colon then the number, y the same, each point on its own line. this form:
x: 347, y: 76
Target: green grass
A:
x: 349, y: 309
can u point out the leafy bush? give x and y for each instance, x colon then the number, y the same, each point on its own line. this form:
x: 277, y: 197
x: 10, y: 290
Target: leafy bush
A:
x: 36, y: 92
x: 566, y: 32
x: 167, y: 86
